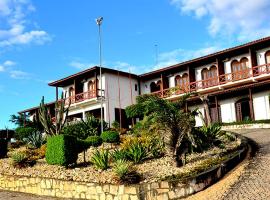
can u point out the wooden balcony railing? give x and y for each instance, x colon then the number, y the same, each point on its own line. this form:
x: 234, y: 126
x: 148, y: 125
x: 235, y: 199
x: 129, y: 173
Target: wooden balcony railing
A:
x: 84, y: 96
x: 215, y: 81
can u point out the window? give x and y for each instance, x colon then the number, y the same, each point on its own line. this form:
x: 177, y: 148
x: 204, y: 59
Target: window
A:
x: 71, y: 92
x: 240, y: 69
x: 267, y: 57
x: 182, y: 82
x: 209, y: 77
x: 91, y: 89
x: 136, y: 87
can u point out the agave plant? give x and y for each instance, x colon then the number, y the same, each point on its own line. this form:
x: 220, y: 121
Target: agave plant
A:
x: 35, y: 139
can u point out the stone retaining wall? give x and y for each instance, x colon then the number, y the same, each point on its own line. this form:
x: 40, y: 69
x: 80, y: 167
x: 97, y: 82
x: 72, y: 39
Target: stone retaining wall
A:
x: 147, y: 191
x: 246, y: 126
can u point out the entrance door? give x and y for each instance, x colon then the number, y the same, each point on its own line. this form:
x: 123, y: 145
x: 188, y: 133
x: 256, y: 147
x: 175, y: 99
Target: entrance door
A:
x: 243, y: 110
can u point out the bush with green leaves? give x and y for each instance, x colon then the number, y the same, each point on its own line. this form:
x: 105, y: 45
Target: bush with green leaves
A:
x: 91, y: 126
x: 119, y: 154
x: 121, y: 168
x: 100, y: 159
x: 110, y: 136
x: 61, y: 150
x: 94, y: 141
x: 24, y: 132
x: 136, y: 152
x: 3, y: 148
x: 211, y: 134
x: 35, y: 139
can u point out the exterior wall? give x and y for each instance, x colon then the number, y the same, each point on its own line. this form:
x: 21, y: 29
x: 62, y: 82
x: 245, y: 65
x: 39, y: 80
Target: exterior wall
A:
x: 199, y: 118
x: 145, y: 86
x: 261, y: 105
x: 112, y: 94
x: 261, y: 56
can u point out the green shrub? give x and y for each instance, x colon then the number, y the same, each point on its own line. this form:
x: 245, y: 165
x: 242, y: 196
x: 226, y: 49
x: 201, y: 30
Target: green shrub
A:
x: 119, y: 155
x: 101, y: 159
x: 110, y: 136
x: 35, y: 139
x: 94, y: 141
x: 3, y: 148
x: 77, y: 130
x: 136, y: 152
x: 61, y: 150
x: 121, y: 168
x: 24, y: 132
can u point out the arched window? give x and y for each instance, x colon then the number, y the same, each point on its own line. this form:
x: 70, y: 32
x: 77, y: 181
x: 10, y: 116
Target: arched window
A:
x: 182, y: 82
x: 244, y: 63
x: 71, y: 92
x: 213, y: 72
x: 204, y: 74
x: 177, y: 80
x: 267, y: 57
x: 240, y: 69
x: 91, y: 89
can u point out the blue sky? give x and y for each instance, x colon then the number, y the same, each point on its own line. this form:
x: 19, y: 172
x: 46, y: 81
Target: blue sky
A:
x: 42, y: 41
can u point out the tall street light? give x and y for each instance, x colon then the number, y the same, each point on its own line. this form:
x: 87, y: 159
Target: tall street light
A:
x: 99, y: 22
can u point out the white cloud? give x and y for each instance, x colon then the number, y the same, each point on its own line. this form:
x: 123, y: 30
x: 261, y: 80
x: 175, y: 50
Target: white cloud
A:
x: 247, y: 19
x: 17, y: 74
x: 2, y: 68
x: 8, y: 63
x: 81, y: 65
x: 179, y: 55
x: 15, y: 31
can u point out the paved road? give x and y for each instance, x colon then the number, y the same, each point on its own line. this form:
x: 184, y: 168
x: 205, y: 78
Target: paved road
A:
x: 250, y: 180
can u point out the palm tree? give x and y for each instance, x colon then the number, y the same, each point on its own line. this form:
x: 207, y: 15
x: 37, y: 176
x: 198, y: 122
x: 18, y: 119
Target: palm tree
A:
x: 171, y: 116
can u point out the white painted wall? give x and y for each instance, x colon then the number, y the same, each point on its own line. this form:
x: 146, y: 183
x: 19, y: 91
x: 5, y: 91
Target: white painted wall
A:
x: 228, y: 110
x: 261, y: 56
x: 112, y: 94
x: 261, y: 105
x: 145, y: 85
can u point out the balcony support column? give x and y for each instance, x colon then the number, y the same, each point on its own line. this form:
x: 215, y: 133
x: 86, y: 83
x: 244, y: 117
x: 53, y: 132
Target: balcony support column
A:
x: 253, y: 60
x: 217, y: 111
x: 251, y: 108
x: 161, y: 87
x: 56, y: 93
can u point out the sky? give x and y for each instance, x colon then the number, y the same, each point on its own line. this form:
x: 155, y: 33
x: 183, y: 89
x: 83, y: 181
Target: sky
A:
x: 42, y: 41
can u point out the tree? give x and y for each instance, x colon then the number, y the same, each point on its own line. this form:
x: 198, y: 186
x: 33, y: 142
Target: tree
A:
x: 61, y: 113
x: 171, y: 116
x: 20, y: 120
x: 205, y: 101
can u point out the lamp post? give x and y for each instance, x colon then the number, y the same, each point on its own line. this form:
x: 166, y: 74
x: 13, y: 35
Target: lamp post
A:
x: 99, y: 22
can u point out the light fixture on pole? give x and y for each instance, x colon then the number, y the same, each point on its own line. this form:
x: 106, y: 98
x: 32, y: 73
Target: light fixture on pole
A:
x: 99, y: 22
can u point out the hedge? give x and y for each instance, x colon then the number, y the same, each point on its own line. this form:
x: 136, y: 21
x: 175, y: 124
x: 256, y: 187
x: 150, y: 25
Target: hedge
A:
x: 110, y: 136
x: 61, y: 150
x: 94, y: 141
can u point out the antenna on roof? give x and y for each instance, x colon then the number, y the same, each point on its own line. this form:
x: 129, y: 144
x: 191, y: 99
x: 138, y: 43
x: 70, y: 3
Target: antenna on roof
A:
x: 156, y: 51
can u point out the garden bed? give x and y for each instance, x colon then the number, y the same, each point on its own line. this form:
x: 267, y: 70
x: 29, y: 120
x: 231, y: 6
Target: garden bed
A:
x: 150, y: 170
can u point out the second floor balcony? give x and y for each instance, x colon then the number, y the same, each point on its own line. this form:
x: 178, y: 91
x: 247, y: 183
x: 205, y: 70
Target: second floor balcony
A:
x: 233, y: 79
x: 84, y: 96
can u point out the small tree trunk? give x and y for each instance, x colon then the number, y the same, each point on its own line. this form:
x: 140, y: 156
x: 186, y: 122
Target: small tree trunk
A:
x: 205, y: 101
